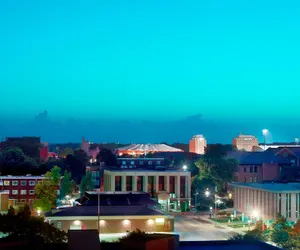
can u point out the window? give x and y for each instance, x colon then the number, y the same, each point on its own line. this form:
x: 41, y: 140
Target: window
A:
x: 123, y: 162
x: 251, y: 169
x: 285, y: 154
x: 245, y: 170
x: 23, y: 183
x: 23, y: 201
x: 132, y: 162
x: 6, y: 183
x: 15, y: 183
x: 245, y: 179
x: 141, y: 163
x: 58, y: 225
x: 23, y: 192
x: 14, y: 192
x: 31, y: 183
x: 255, y: 169
x: 254, y: 179
x: 250, y: 179
x: 150, y: 162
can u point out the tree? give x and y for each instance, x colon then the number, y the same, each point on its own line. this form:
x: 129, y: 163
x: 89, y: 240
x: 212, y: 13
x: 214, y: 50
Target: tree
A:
x: 11, y: 211
x: 46, y: 190
x: 66, y: 185
x: 66, y: 151
x: 76, y: 164
x: 30, y: 228
x: 108, y: 157
x: 86, y: 183
x: 280, y: 231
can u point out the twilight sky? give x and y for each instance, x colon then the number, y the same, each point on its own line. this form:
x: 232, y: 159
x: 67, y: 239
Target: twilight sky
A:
x: 142, y: 71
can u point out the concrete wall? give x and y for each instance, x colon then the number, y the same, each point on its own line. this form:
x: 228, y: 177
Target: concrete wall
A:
x: 118, y: 225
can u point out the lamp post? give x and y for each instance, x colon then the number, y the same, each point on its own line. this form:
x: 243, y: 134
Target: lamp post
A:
x: 265, y: 132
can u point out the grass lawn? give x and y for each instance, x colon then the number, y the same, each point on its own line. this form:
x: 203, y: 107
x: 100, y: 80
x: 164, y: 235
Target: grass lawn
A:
x: 220, y: 220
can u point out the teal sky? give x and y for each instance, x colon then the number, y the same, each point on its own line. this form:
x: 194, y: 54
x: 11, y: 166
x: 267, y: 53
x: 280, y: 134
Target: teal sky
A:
x: 161, y: 60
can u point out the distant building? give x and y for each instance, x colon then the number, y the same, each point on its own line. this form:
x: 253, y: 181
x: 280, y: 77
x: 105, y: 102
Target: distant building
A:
x: 197, y: 144
x: 142, y: 149
x: 44, y: 151
x: 91, y: 152
x: 265, y: 200
x: 274, y: 164
x: 245, y: 142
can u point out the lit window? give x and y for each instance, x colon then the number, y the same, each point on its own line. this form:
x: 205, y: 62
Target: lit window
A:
x: 141, y: 163
x: 31, y: 183
x: 6, y: 183
x: 23, y: 192
x: 15, y: 183
x: 150, y: 162
x: 124, y: 162
x: 14, y: 192
x: 160, y: 221
x: 250, y: 179
x: 23, y: 183
x: 58, y: 225
x: 158, y: 162
x: 132, y: 162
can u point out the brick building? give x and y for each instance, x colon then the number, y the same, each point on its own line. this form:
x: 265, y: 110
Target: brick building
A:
x: 20, y: 188
x: 274, y: 164
x: 197, y: 145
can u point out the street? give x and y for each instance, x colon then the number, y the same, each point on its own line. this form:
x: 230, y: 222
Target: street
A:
x: 199, y: 230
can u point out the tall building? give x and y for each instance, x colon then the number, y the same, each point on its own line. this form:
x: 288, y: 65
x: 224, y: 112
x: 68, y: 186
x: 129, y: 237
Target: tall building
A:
x: 245, y: 142
x: 198, y: 144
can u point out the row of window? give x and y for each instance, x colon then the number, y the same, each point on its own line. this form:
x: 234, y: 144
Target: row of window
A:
x: 251, y: 179
x: 16, y: 183
x: 22, y: 192
x: 252, y: 169
x: 141, y: 162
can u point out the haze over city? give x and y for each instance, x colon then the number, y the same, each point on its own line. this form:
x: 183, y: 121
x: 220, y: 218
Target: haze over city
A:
x: 149, y: 72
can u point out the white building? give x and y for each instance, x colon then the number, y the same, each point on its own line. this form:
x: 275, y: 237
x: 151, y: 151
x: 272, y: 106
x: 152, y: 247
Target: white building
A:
x: 172, y: 187
x: 266, y: 200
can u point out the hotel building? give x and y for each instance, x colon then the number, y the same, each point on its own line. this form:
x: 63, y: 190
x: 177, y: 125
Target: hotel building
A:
x: 245, y: 142
x: 197, y: 145
x: 266, y: 200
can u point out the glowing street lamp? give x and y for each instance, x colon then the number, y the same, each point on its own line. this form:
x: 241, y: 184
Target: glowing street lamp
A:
x: 184, y: 167
x: 265, y: 132
x: 39, y: 212
x: 207, y: 193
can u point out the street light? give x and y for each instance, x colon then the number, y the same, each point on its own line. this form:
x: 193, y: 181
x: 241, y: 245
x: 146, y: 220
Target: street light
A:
x: 207, y: 193
x: 39, y: 212
x: 265, y: 132
x: 184, y: 167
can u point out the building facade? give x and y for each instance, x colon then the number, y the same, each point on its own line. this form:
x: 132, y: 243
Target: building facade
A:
x: 172, y: 188
x: 266, y: 200
x: 113, y: 213
x: 20, y: 189
x: 197, y: 144
x: 245, y: 142
x: 150, y: 163
x: 274, y: 164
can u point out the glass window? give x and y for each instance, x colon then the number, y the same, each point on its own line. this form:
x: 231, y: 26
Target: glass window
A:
x: 255, y: 169
x: 31, y: 192
x: 23, y: 183
x: 158, y: 162
x: 132, y: 162
x: 251, y: 169
x: 31, y: 183
x: 15, y: 183
x: 250, y: 179
x: 141, y: 163
x: 245, y: 170
x: 150, y: 162
x: 254, y: 179
x: 23, y: 192
x: 58, y: 225
x: 124, y: 162
x: 14, y: 192
x: 6, y: 183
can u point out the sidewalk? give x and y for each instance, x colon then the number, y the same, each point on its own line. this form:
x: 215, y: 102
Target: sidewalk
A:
x: 223, y: 225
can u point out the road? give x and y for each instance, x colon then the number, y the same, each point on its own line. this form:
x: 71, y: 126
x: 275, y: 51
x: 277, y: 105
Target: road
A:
x: 190, y: 229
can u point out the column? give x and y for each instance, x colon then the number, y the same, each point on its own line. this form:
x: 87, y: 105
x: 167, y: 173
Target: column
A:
x: 113, y: 183
x: 177, y: 187
x: 145, y: 183
x: 123, y: 183
x: 167, y: 183
x: 134, y: 183
x: 186, y: 187
x: 156, y: 183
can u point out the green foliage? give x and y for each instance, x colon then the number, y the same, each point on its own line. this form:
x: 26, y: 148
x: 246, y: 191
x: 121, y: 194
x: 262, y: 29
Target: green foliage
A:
x: 19, y: 227
x: 11, y: 211
x: 86, y: 183
x: 66, y: 151
x: 280, y: 231
x: 66, y: 185
x: 46, y: 190
x: 136, y: 235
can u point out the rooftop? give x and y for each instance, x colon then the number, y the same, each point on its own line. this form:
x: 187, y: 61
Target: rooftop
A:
x: 82, y: 211
x: 162, y: 169
x: 10, y: 177
x: 150, y: 148
x: 271, y: 187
